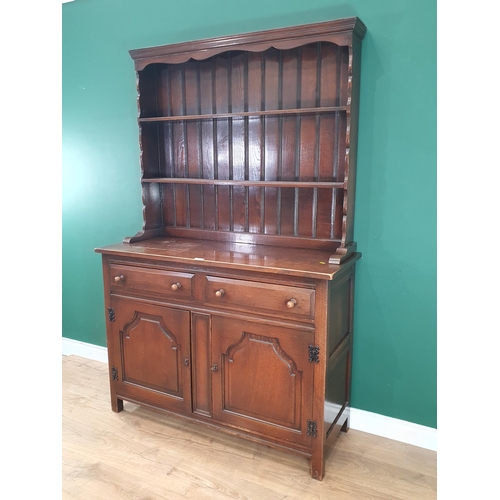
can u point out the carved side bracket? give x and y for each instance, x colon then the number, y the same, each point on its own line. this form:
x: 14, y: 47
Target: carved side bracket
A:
x: 145, y: 234
x: 342, y: 254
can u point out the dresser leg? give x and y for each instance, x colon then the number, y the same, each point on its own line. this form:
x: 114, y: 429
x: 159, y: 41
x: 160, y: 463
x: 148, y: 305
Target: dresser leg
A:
x: 116, y: 405
x: 345, y: 426
x: 317, y: 466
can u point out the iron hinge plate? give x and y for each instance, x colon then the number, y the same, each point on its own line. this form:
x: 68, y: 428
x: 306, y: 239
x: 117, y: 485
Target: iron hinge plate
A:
x: 313, y: 354
x: 312, y: 428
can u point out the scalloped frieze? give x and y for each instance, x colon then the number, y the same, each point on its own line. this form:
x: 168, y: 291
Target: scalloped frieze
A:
x: 339, y: 31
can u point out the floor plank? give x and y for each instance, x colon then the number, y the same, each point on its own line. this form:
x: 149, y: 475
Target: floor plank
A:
x: 140, y: 454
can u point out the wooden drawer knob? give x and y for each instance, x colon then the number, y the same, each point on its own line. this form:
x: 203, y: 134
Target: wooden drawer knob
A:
x: 119, y: 278
x: 291, y: 303
x: 220, y: 293
x: 176, y: 286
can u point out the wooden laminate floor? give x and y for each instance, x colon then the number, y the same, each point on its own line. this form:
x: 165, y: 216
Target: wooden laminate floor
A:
x: 141, y: 454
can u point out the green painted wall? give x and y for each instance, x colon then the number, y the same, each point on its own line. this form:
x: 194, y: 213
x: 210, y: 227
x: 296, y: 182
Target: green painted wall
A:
x: 394, y: 367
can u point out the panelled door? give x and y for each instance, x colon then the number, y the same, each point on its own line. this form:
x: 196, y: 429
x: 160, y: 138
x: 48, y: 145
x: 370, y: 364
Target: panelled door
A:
x: 150, y: 347
x: 262, y: 378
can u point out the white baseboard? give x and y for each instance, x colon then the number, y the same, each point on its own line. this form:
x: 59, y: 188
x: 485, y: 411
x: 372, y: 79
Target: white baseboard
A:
x: 365, y: 421
x: 89, y: 351
x: 393, y: 428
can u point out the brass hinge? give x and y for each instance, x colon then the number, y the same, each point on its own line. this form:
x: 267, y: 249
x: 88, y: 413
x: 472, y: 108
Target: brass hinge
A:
x: 313, y: 354
x: 111, y: 314
x: 312, y: 428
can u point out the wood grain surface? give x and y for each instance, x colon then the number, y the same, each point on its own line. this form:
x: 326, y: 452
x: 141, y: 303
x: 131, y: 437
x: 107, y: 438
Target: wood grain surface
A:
x: 142, y: 454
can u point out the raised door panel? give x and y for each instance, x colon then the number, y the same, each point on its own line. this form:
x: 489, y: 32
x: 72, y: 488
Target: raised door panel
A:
x: 153, y: 357
x: 262, y: 378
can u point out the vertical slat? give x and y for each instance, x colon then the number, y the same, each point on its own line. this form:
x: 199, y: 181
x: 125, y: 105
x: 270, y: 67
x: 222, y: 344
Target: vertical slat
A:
x: 332, y: 213
x: 338, y: 149
x: 215, y: 149
x: 193, y: 150
x: 222, y: 144
x: 230, y: 142
x: 246, y: 146
x: 288, y: 143
x: 328, y: 97
x: 172, y: 145
x: 307, y: 138
x: 297, y: 144
x: 207, y: 139
x: 254, y: 139
x: 186, y: 144
x: 336, y: 198
x: 343, y: 57
x: 338, y: 213
x: 343, y: 74
x: 178, y: 142
x: 307, y: 153
x: 161, y: 161
x: 340, y: 133
x: 263, y: 142
x: 162, y: 96
x: 200, y: 147
x: 280, y: 138
x: 272, y: 140
x: 335, y: 175
x: 170, y: 192
x: 169, y: 134
x: 314, y: 212
x: 238, y: 156
x: 317, y: 143
x: 296, y: 211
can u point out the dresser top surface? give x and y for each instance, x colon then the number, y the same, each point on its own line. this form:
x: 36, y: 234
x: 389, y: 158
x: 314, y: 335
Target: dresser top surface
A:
x: 260, y: 258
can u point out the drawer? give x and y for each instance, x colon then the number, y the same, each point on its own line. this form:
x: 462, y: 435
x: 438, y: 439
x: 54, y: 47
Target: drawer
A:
x: 173, y: 284
x: 267, y: 297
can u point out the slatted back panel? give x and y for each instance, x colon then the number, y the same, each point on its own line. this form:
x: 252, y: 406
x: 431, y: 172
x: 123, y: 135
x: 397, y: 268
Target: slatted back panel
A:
x: 286, y: 147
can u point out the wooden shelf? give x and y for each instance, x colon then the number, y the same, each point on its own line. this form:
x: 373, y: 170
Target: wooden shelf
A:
x: 255, y: 143
x: 243, y: 114
x: 264, y: 184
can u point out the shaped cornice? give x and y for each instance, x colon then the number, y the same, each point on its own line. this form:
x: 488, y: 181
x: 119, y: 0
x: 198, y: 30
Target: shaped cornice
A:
x: 339, y: 32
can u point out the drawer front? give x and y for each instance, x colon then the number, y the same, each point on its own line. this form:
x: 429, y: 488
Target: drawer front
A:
x: 278, y: 299
x: 173, y: 284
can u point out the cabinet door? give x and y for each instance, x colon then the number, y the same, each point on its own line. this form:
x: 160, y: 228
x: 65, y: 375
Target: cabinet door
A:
x: 151, y: 354
x: 262, y: 378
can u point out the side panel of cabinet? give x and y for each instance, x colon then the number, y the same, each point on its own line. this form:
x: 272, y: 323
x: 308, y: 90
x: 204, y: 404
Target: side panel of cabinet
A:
x: 262, y: 378
x: 339, y: 353
x: 151, y: 354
